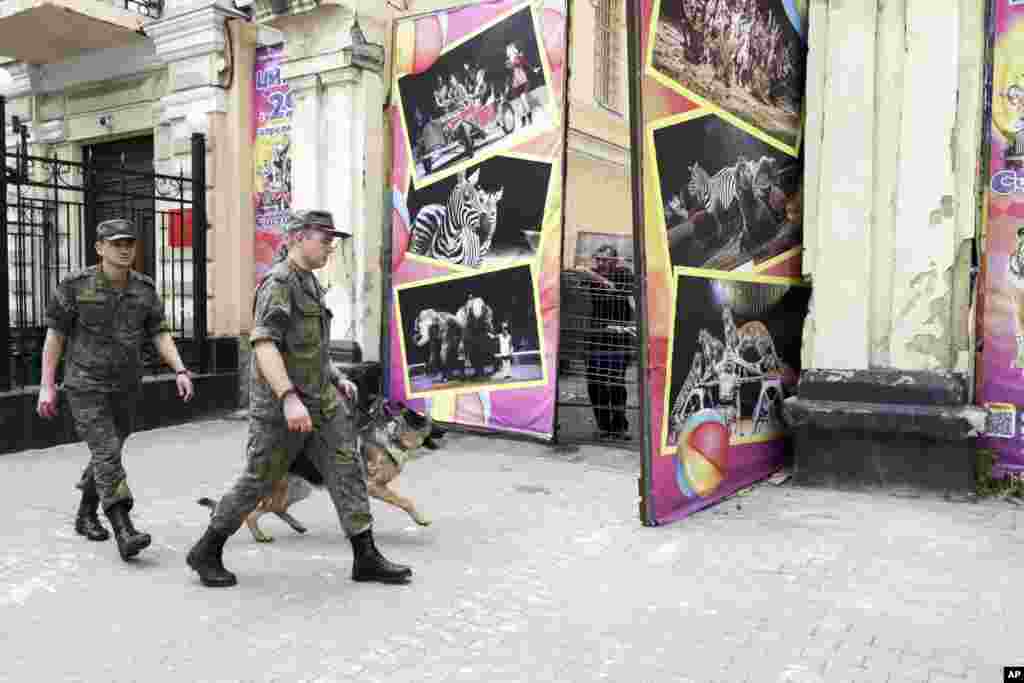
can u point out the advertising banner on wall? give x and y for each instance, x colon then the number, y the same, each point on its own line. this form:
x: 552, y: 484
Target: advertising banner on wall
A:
x: 271, y: 132
x: 721, y: 91
x: 1000, y: 375
x: 478, y: 147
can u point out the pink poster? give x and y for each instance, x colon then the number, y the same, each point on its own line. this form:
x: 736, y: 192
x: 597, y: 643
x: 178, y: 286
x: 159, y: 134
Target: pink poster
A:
x: 1000, y: 376
x: 721, y: 85
x: 478, y: 146
x: 271, y: 134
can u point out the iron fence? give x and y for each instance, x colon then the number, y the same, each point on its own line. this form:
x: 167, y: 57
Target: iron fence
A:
x: 49, y: 209
x: 599, y: 378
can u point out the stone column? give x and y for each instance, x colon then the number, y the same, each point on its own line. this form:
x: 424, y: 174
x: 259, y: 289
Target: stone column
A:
x: 338, y: 152
x: 193, y: 45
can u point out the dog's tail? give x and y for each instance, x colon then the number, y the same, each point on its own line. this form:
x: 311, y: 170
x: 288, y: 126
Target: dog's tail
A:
x: 208, y: 503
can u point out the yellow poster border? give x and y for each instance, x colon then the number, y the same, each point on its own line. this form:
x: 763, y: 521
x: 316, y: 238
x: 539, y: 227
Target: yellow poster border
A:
x: 470, y: 387
x: 708, y: 274
x: 670, y: 83
x: 548, y: 198
x: 778, y: 258
x: 506, y: 143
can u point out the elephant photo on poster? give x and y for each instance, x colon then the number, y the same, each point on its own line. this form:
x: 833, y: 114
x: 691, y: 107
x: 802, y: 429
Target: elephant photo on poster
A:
x: 487, y: 93
x: 726, y: 197
x: 488, y: 214
x: 471, y: 332
x: 735, y: 351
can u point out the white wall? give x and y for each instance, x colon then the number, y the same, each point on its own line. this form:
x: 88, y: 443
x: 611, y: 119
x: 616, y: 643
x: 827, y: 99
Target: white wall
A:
x: 892, y: 142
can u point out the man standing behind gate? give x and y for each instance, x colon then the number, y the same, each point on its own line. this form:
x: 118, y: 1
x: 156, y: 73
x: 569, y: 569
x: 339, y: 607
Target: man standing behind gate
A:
x: 105, y: 313
x: 294, y: 410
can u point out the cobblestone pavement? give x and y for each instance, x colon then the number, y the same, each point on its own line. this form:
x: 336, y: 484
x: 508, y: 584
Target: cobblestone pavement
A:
x: 535, y: 569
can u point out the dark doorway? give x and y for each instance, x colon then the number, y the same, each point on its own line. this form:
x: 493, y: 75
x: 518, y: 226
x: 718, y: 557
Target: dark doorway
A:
x: 125, y: 188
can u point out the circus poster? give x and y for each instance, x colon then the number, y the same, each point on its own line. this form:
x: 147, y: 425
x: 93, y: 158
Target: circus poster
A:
x: 721, y: 98
x: 271, y: 135
x: 1000, y: 369
x: 477, y: 149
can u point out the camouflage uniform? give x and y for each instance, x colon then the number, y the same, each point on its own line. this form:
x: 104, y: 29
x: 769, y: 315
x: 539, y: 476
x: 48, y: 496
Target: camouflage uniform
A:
x: 290, y: 311
x: 106, y: 327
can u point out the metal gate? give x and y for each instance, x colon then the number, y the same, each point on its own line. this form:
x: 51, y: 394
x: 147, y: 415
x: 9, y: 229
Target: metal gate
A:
x: 599, y: 382
x: 49, y: 209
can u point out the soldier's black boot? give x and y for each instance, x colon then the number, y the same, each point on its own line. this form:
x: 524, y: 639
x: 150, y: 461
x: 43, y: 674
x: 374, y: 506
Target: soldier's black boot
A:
x: 129, y: 541
x: 206, y: 557
x: 87, y: 522
x: 369, y: 565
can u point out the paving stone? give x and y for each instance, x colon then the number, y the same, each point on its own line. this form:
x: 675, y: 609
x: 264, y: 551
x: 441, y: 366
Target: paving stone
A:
x: 801, y: 584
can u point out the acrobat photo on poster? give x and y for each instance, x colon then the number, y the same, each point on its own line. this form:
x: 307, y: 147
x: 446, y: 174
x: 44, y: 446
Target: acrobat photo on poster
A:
x: 735, y: 351
x: 489, y: 214
x: 488, y: 92
x: 745, y: 58
x: 726, y: 198
x: 477, y: 331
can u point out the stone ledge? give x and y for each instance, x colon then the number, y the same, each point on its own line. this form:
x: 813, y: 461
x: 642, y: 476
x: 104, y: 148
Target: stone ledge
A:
x: 903, y: 387
x: 939, y: 422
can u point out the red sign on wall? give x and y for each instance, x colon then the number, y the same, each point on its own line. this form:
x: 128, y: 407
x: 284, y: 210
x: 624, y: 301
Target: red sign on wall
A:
x: 180, y: 235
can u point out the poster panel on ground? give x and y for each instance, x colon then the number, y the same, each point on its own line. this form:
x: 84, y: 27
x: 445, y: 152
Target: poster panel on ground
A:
x: 271, y: 133
x: 478, y: 146
x: 1000, y: 375
x: 721, y: 93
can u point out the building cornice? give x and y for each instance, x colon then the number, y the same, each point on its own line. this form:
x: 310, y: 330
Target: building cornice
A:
x: 195, y: 31
x: 25, y: 79
x: 597, y: 148
x: 99, y: 66
x: 202, y: 100
x: 49, y: 133
x: 327, y: 62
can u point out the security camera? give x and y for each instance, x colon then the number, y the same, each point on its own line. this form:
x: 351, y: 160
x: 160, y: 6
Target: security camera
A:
x: 106, y: 120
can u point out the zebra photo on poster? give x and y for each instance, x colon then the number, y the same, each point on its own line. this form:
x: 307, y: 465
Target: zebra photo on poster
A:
x: 486, y: 215
x: 745, y: 58
x: 478, y: 331
x: 726, y: 198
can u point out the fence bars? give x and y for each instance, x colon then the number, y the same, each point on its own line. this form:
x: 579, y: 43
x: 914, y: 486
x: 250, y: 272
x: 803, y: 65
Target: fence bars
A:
x: 5, y: 291
x: 49, y: 208
x: 199, y: 249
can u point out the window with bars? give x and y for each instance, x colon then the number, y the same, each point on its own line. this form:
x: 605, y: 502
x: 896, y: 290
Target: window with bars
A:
x: 608, y: 54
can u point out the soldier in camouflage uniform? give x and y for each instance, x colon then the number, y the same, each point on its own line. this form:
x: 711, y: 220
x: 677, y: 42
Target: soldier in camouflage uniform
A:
x: 294, y: 410
x: 104, y: 314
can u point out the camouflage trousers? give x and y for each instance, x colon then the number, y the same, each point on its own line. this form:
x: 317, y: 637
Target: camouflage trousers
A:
x: 330, y: 447
x: 104, y: 421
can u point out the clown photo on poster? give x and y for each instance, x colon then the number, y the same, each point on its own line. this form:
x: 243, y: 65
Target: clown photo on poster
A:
x: 735, y: 351
x: 745, y: 58
x: 486, y: 215
x: 476, y: 331
x: 726, y: 197
x: 489, y: 92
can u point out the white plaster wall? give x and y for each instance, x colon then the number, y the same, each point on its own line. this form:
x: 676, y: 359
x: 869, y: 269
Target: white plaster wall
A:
x: 893, y: 136
x: 338, y: 151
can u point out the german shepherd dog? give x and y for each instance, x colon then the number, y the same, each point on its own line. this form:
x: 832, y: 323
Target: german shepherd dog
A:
x: 389, y: 435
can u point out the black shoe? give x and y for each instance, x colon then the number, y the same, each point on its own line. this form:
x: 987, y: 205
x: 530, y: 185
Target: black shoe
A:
x: 129, y: 541
x: 87, y: 522
x: 206, y: 557
x: 369, y: 565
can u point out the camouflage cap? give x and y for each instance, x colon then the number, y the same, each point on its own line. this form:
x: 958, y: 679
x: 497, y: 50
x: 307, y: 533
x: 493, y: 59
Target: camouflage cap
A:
x: 320, y: 220
x: 116, y: 229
